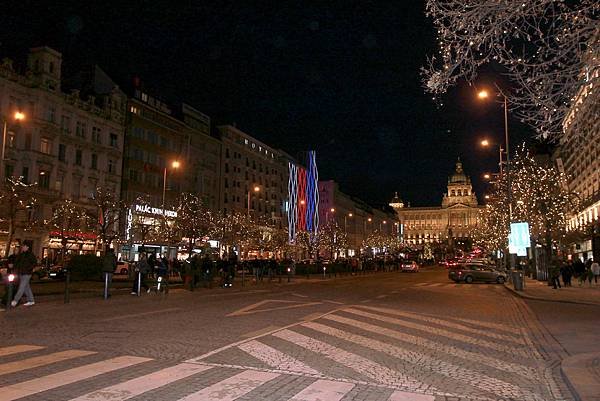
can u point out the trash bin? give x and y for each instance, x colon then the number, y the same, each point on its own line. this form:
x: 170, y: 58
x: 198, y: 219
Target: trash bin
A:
x: 517, y: 279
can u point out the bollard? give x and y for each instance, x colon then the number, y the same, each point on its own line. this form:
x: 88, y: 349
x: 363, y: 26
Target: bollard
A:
x: 9, y: 295
x: 324, y: 270
x: 288, y: 273
x: 105, y: 286
x: 139, y: 283
x: 67, y: 281
x: 243, y: 276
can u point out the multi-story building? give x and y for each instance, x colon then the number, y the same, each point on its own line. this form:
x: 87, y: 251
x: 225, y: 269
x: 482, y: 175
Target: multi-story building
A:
x: 354, y: 216
x: 66, y: 144
x: 579, y: 158
x: 166, y: 153
x: 254, y: 176
x: 451, y: 223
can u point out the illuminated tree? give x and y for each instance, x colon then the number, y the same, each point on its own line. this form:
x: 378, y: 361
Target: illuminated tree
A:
x: 193, y: 222
x: 232, y: 229
x: 545, y: 47
x: 308, y: 242
x: 68, y: 222
x: 144, y: 228
x: 538, y: 196
x: 109, y: 212
x: 332, y: 238
x: 16, y: 201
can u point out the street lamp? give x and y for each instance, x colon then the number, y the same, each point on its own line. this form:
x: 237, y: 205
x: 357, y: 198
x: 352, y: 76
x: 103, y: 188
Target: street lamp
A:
x: 384, y: 222
x: 332, y: 210
x: 484, y: 94
x: 18, y: 117
x: 346, y: 223
x: 486, y: 143
x: 175, y: 165
x: 486, y: 176
x: 255, y: 189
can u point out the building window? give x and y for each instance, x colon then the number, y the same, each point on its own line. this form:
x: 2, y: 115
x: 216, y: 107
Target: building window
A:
x: 9, y: 171
x: 44, y: 179
x: 10, y: 140
x: 80, y: 129
x: 96, y: 135
x: 94, y: 161
x: 227, y: 153
x: 111, y: 166
x: 65, y: 124
x: 78, y: 157
x: 114, y: 140
x: 51, y: 114
x: 46, y: 146
x: 27, y: 140
x: 58, y: 185
x: 25, y: 175
x: 62, y: 151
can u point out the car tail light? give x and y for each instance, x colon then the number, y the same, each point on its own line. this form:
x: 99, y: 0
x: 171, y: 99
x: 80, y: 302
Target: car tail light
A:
x: 459, y: 273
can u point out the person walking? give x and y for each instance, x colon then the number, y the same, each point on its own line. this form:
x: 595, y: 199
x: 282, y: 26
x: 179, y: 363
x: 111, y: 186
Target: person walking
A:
x: 555, y: 275
x: 109, y: 264
x: 24, y: 264
x: 140, y: 281
x: 595, y: 270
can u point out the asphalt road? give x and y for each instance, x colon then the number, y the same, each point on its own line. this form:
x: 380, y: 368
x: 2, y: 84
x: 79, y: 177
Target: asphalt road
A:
x: 385, y: 336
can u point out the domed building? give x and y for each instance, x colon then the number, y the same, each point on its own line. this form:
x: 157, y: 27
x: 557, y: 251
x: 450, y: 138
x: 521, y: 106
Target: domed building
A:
x: 453, y: 222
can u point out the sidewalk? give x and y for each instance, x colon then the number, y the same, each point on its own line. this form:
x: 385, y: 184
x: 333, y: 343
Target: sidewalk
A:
x: 541, y: 291
x: 582, y: 371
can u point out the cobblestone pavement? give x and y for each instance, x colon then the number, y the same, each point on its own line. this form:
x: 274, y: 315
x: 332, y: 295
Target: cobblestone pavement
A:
x: 383, y: 337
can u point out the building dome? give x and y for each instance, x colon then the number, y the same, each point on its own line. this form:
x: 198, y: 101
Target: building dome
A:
x: 459, y: 176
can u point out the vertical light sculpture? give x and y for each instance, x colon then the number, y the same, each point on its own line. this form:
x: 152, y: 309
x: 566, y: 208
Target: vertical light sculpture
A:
x: 303, y: 197
x: 292, y: 201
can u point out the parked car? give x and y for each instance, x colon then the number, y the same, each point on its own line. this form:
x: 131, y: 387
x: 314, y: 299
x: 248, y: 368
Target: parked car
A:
x: 410, y: 266
x: 474, y: 272
x: 56, y: 273
x: 122, y: 267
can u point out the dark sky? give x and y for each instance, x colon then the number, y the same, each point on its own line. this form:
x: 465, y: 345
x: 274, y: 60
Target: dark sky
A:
x: 342, y: 78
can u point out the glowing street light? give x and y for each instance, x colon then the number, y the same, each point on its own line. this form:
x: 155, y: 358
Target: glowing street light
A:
x: 256, y: 189
x: 486, y: 176
x: 18, y: 117
x: 483, y: 94
x: 175, y: 165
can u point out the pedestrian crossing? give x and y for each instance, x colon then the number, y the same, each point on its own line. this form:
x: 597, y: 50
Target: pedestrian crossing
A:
x: 356, y: 352
x: 454, y: 285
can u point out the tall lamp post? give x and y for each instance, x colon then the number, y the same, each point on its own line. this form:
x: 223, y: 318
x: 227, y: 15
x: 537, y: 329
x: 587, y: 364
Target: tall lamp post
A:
x: 255, y: 189
x: 18, y: 116
x: 332, y: 210
x: 175, y: 165
x: 346, y: 222
x: 483, y: 95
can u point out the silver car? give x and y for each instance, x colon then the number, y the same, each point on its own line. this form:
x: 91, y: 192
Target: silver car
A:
x: 474, y: 272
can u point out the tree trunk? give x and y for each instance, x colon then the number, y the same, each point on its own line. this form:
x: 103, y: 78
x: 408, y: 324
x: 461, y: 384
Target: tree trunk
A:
x: 10, y: 235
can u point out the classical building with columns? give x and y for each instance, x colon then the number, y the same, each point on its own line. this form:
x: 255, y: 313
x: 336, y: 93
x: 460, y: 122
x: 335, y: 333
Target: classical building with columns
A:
x: 451, y: 223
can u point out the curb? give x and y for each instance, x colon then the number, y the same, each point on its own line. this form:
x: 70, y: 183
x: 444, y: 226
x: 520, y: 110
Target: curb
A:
x: 582, y: 373
x: 531, y: 297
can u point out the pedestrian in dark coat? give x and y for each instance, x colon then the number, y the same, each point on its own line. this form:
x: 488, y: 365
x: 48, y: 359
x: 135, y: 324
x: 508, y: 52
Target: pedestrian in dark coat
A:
x: 24, y: 264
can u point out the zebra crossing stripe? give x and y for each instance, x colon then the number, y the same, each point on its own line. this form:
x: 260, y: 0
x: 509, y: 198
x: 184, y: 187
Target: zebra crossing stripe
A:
x: 324, y: 390
x: 371, y: 369
x: 404, y: 396
x: 491, y: 325
x: 276, y: 358
x: 37, y: 361
x: 17, y: 349
x: 475, y: 379
x: 49, y: 382
x: 134, y: 387
x: 441, y: 322
x: 436, y: 331
x: 437, y: 347
x: 232, y: 388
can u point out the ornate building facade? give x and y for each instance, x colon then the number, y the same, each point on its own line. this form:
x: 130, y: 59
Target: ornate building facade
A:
x: 452, y: 222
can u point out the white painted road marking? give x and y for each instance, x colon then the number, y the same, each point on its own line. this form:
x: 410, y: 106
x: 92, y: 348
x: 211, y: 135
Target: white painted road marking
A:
x: 437, y: 347
x: 404, y: 396
x: 140, y: 385
x: 17, y: 349
x: 324, y: 390
x: 232, y: 388
x: 373, y: 370
x: 452, y: 325
x: 276, y: 358
x: 440, y: 332
x: 475, y: 379
x: 34, y: 386
x: 37, y: 361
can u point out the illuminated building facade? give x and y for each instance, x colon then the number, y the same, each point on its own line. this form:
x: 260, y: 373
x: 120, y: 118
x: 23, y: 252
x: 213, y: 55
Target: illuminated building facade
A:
x: 452, y: 222
x: 303, y: 197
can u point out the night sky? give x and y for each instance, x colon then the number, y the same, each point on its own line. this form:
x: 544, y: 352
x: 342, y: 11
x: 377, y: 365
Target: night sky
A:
x: 341, y: 78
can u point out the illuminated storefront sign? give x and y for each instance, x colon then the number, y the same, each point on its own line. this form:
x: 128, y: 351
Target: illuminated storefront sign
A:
x: 154, y: 210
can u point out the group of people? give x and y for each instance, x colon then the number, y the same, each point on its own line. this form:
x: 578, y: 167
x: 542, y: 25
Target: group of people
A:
x: 565, y: 270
